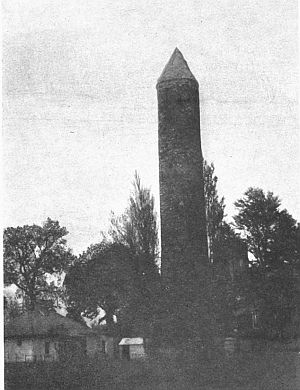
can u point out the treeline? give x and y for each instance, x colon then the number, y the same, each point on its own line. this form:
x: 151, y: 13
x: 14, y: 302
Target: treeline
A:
x: 121, y: 274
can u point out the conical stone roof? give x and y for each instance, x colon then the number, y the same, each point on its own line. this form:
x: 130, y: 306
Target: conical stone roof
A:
x: 176, y: 69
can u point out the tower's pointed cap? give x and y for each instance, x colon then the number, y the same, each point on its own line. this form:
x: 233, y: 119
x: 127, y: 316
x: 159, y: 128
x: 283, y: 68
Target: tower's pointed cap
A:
x: 176, y: 69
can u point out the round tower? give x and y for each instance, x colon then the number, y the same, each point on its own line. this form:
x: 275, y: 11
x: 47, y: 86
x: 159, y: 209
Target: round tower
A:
x: 182, y: 204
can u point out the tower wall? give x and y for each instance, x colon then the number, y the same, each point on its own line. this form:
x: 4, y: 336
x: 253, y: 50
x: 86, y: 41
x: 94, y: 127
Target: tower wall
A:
x: 182, y: 207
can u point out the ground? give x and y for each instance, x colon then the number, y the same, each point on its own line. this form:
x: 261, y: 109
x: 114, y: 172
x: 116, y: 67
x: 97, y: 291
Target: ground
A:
x: 250, y: 371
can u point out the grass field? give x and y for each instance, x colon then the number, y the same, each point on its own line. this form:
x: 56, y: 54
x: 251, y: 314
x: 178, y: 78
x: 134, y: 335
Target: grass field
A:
x: 248, y: 371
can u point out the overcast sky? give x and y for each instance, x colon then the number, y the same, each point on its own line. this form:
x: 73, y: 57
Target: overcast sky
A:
x: 80, y: 109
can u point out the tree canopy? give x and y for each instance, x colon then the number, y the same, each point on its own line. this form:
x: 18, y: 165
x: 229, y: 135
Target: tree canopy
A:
x: 272, y: 237
x: 120, y: 275
x: 137, y: 229
x: 270, y: 233
x: 214, y: 206
x: 32, y: 254
x: 227, y: 255
x: 102, y: 277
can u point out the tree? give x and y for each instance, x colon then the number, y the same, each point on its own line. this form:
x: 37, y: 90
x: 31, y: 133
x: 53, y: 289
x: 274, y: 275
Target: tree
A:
x: 271, y: 235
x: 137, y: 230
x: 120, y: 275
x: 214, y: 206
x: 102, y: 277
x: 31, y: 255
x: 231, y: 274
x: 227, y: 253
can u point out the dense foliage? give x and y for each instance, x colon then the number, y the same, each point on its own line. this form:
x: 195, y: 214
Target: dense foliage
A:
x: 227, y: 255
x: 272, y: 237
x: 102, y: 277
x: 214, y: 207
x: 270, y: 233
x: 32, y: 254
x: 136, y: 228
x: 121, y: 274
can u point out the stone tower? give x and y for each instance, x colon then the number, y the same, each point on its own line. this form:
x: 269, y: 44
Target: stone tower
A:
x: 182, y: 207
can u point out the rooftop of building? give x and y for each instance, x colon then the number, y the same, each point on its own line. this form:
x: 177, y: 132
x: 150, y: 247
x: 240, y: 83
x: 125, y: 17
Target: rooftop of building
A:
x: 39, y: 323
x: 132, y: 341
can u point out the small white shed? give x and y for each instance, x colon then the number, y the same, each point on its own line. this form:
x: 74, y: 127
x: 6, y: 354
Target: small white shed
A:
x: 132, y: 348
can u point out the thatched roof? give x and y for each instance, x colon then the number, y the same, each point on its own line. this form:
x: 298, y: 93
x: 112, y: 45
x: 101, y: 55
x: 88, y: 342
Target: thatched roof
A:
x: 38, y: 323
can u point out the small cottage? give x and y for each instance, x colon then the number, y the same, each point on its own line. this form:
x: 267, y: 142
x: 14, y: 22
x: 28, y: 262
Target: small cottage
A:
x: 132, y: 348
x: 47, y: 336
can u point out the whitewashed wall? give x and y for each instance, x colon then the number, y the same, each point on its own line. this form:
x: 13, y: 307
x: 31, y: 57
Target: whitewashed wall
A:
x: 93, y: 345
x: 137, y: 351
x: 29, y: 349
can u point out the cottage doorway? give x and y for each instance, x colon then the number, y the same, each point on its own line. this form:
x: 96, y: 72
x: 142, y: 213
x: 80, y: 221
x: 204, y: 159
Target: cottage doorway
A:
x: 126, y: 352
